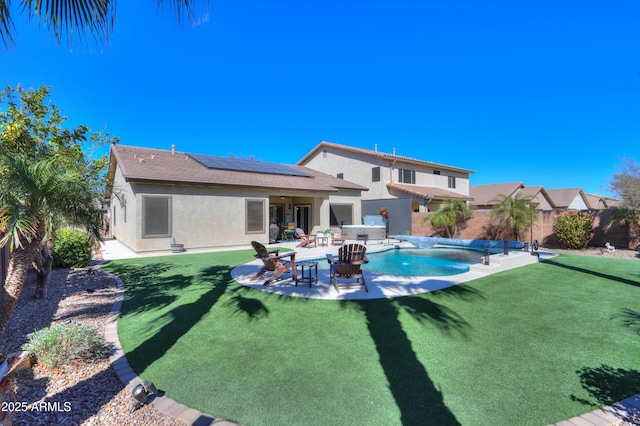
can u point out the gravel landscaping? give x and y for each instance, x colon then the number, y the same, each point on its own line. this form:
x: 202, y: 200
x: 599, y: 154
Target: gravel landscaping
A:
x: 91, y: 393
x: 86, y: 394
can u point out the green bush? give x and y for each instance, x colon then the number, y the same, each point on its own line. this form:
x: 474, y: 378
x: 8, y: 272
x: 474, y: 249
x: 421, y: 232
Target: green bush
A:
x: 62, y: 344
x: 574, y: 229
x: 72, y: 249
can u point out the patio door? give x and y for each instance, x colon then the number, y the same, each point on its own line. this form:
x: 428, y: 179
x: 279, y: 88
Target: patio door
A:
x: 303, y: 217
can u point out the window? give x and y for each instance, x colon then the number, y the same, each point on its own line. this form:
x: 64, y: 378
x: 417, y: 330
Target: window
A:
x: 340, y: 175
x: 156, y: 217
x: 340, y: 214
x: 452, y: 181
x: 406, y: 176
x: 375, y: 174
x: 436, y: 172
x: 255, y: 216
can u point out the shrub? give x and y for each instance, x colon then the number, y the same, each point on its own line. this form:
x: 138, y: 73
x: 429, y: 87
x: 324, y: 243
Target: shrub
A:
x: 573, y: 229
x: 61, y: 344
x: 72, y: 249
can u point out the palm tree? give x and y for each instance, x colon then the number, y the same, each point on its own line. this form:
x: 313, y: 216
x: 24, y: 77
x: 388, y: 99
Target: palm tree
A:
x: 630, y: 217
x: 95, y: 17
x: 448, y: 216
x: 516, y: 213
x: 36, y: 196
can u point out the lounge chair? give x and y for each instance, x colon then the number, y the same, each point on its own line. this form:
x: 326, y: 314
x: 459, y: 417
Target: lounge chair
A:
x: 307, y: 240
x: 347, y: 267
x: 274, y: 262
x: 337, y: 236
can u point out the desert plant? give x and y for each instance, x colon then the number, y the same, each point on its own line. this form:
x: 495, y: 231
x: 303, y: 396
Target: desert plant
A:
x: 573, y: 229
x: 62, y: 344
x: 72, y: 249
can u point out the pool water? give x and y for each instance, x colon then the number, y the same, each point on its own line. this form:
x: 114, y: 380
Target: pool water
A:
x: 420, y: 262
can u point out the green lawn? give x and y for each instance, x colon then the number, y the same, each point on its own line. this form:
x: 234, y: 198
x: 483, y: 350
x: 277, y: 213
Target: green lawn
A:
x: 530, y: 346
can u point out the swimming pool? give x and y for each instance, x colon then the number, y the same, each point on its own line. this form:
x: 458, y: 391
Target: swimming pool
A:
x: 419, y: 262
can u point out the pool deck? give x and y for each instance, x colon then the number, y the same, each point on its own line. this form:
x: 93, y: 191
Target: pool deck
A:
x: 380, y: 286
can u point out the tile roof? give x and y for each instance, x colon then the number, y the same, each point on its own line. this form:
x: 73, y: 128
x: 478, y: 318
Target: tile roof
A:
x: 594, y: 199
x: 563, y: 197
x: 484, y: 195
x: 166, y: 167
x: 427, y: 192
x: 381, y: 155
x: 535, y: 191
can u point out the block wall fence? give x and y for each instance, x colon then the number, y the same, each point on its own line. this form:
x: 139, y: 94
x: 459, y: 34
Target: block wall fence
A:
x: 481, y: 227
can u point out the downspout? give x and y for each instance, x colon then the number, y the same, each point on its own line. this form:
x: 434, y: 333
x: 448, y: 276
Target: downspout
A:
x: 391, y: 170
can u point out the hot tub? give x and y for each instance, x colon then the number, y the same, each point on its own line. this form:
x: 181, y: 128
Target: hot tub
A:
x: 374, y: 227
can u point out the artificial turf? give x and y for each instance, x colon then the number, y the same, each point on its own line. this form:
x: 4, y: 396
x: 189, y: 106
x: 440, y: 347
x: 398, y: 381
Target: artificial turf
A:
x: 530, y: 346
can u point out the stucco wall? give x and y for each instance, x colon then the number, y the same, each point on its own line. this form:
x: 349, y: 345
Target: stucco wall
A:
x: 356, y: 168
x: 202, y: 217
x: 123, y: 211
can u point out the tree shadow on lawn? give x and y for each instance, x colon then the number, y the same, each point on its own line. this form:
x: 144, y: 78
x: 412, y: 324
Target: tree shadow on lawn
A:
x: 180, y: 320
x: 607, y: 385
x: 250, y: 307
x: 145, y: 291
x: 592, y: 272
x: 631, y: 319
x: 416, y: 396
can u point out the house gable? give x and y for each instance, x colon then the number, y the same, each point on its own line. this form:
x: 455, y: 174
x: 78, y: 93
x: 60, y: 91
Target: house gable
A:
x: 569, y: 198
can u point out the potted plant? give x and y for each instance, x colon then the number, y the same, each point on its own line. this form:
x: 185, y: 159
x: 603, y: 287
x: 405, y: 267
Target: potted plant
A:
x: 176, y: 248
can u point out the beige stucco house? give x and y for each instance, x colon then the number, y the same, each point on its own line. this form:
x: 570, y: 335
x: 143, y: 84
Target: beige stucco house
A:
x: 485, y: 196
x: 157, y: 196
x: 390, y: 176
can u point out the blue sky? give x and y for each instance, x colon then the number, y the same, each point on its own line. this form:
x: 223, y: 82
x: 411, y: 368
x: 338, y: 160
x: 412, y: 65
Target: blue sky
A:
x: 544, y: 92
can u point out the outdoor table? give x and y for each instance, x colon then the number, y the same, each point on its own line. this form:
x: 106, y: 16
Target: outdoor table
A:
x: 306, y: 278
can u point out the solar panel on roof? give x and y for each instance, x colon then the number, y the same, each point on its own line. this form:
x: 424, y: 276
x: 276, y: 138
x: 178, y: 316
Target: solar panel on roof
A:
x: 241, y: 165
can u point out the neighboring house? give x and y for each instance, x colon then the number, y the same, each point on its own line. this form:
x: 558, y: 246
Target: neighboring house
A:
x: 569, y: 199
x: 550, y: 204
x: 485, y: 196
x: 597, y: 202
x: 390, y: 176
x: 201, y: 201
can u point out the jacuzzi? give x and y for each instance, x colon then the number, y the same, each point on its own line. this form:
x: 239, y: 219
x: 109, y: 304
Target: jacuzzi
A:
x: 374, y: 227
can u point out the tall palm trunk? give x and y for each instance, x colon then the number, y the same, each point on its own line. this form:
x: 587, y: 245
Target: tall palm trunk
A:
x: 19, y: 265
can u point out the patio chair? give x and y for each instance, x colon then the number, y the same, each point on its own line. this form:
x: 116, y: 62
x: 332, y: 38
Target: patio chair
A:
x: 290, y: 232
x: 274, y: 262
x: 307, y: 240
x: 337, y: 236
x: 347, y: 267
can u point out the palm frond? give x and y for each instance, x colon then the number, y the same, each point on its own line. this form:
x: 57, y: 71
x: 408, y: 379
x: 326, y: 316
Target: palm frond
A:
x: 6, y: 23
x: 71, y: 17
x: 196, y: 11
